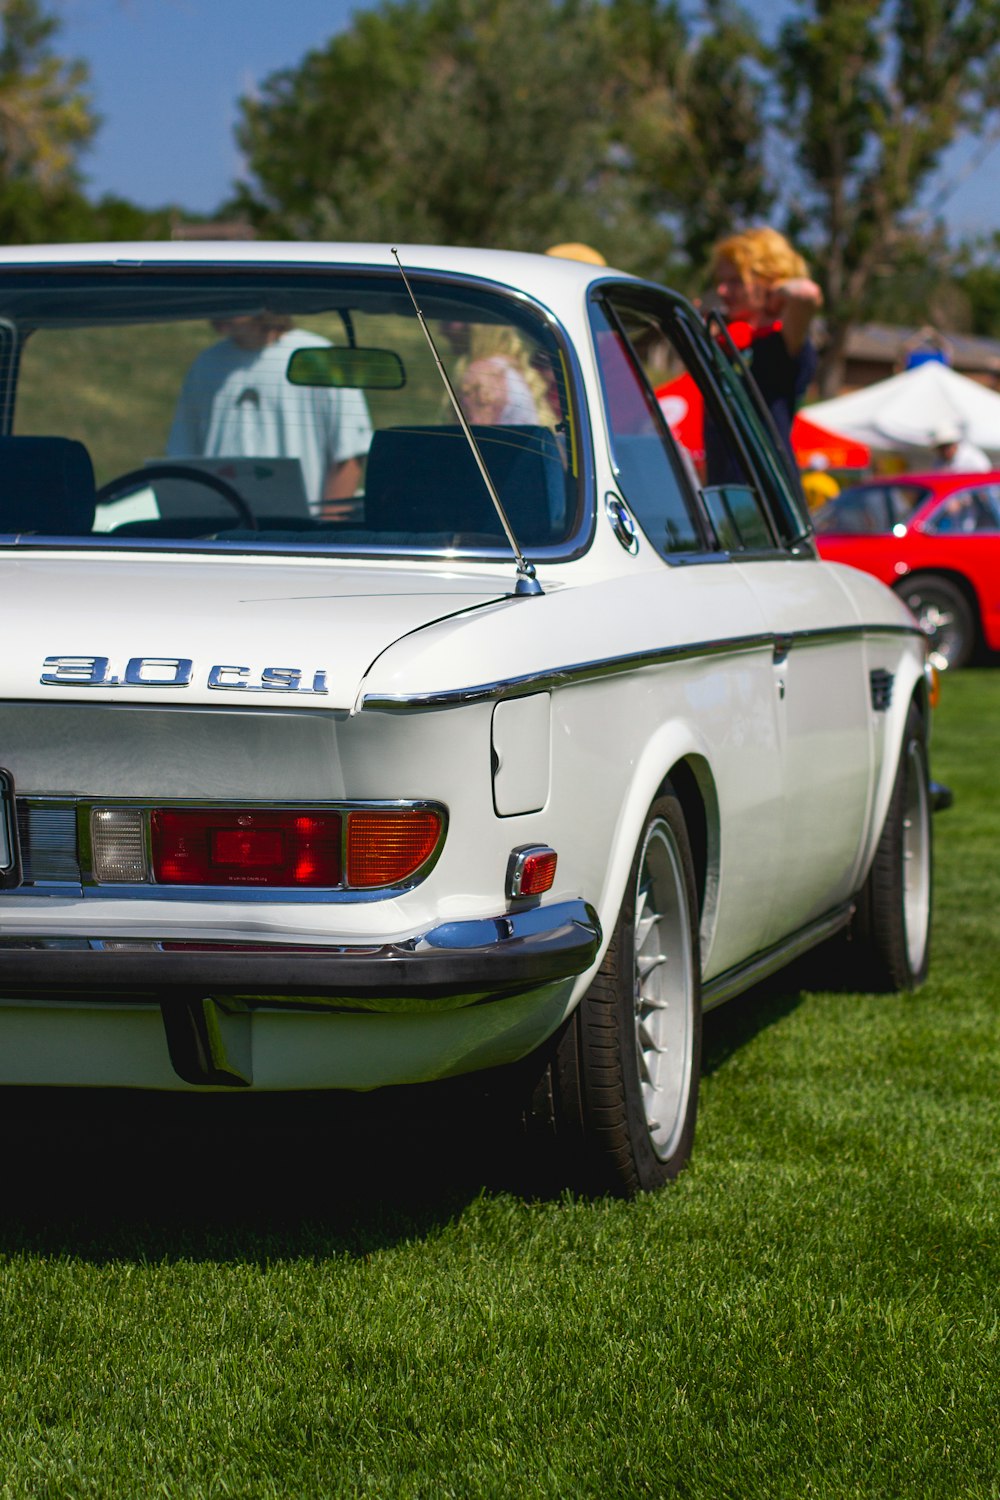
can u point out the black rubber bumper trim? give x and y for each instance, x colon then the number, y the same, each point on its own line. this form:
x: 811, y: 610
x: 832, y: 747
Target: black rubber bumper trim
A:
x: 499, y: 956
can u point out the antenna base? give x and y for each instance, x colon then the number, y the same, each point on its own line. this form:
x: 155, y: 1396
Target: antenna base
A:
x: 527, y: 585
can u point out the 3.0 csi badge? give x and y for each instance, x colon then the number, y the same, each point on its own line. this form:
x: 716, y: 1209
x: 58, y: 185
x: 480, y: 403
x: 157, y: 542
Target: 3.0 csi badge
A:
x: 178, y: 672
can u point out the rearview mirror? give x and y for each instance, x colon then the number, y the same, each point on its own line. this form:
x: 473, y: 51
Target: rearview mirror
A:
x: 347, y: 369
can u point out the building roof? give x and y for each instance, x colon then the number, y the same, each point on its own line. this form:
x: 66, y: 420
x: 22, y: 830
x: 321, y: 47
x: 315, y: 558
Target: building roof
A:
x: 885, y: 343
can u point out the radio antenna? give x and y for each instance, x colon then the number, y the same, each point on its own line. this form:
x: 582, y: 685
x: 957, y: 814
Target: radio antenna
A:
x: 527, y: 583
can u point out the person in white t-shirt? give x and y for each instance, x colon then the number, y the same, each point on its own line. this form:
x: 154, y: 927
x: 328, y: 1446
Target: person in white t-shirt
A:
x: 237, y: 402
x: 955, y: 453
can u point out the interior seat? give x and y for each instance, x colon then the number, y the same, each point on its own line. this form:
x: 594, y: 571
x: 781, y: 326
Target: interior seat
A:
x: 46, y: 486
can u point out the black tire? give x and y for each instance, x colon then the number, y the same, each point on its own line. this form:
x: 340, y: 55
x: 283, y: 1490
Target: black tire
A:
x: 945, y: 616
x: 619, y: 1095
x: 890, y: 934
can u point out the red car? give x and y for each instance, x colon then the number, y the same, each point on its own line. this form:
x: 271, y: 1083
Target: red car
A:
x: 935, y: 539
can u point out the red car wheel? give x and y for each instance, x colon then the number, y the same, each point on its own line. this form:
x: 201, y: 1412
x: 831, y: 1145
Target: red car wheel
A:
x: 944, y: 615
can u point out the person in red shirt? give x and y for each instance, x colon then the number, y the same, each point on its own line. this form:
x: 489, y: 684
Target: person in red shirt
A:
x: 769, y: 302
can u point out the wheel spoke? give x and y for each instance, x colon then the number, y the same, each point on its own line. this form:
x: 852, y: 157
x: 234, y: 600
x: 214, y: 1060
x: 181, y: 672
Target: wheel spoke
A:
x: 663, y: 961
x: 647, y: 966
x: 647, y: 1041
x: 643, y: 927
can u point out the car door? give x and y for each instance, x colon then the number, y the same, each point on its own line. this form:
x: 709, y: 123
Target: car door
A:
x: 814, y: 687
x: 822, y: 686
x: 724, y: 694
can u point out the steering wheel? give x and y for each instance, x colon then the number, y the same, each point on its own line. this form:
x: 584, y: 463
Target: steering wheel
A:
x: 134, y: 479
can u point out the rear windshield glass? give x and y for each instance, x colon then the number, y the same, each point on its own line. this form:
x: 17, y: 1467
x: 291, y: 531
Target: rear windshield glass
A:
x: 266, y: 409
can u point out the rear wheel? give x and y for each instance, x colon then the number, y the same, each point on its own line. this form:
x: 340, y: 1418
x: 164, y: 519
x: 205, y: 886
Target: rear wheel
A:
x: 891, y: 931
x: 944, y: 615
x: 620, y: 1093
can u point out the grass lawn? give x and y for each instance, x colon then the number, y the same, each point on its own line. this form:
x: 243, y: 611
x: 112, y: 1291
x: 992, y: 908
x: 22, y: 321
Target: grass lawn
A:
x: 349, y: 1302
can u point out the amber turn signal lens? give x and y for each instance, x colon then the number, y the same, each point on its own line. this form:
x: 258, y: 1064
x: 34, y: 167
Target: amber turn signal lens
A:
x: 386, y: 847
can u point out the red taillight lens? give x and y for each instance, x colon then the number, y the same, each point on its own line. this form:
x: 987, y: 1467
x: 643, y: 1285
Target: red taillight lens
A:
x: 386, y: 847
x: 240, y: 846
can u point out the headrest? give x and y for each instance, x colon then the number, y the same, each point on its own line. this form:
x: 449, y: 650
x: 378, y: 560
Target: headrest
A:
x: 425, y: 479
x: 46, y: 486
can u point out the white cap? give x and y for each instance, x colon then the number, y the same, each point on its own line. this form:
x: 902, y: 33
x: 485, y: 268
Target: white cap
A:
x: 944, y: 432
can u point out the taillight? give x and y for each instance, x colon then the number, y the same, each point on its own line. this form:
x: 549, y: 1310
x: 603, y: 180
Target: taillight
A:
x: 332, y: 848
x: 243, y: 846
x: 335, y: 848
x: 385, y: 847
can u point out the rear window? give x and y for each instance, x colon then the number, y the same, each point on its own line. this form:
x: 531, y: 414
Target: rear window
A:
x: 869, y: 509
x: 267, y: 409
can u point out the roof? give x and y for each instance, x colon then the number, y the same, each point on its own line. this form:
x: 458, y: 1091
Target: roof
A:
x: 884, y: 343
x: 543, y: 276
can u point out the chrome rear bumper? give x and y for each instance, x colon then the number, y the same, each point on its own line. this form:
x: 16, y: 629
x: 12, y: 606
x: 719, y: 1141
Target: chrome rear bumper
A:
x: 458, y: 963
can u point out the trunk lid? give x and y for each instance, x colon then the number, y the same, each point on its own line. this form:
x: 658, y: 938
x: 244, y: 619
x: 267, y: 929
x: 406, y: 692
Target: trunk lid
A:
x: 267, y: 632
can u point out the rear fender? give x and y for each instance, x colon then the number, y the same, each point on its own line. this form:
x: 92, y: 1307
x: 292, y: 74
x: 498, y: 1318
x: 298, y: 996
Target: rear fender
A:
x: 910, y: 686
x: 671, y: 745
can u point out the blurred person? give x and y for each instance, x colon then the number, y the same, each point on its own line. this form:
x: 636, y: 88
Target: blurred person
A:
x: 954, y: 452
x: 818, y: 484
x: 574, y: 250
x: 495, y: 393
x: 769, y: 302
x: 237, y: 402
x: 924, y: 347
x: 496, y: 373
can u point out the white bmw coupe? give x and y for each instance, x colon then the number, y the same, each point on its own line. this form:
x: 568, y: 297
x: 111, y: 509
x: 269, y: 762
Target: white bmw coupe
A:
x: 387, y: 695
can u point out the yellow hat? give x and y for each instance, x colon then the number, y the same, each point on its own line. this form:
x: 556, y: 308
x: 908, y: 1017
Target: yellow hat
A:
x: 574, y: 251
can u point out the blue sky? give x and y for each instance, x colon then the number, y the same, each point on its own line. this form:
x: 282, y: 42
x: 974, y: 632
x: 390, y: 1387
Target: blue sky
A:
x: 166, y: 76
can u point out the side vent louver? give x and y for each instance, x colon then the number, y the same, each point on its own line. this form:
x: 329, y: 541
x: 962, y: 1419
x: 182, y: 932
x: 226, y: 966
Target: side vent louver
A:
x: 881, y: 687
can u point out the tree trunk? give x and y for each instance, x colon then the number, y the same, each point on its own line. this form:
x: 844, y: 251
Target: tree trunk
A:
x: 833, y: 361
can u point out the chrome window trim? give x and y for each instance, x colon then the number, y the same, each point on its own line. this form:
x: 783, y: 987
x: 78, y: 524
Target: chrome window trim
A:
x: 556, y: 677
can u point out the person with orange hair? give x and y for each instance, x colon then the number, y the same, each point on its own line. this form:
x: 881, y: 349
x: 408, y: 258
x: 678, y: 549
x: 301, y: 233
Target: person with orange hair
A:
x: 769, y: 301
x: 574, y: 250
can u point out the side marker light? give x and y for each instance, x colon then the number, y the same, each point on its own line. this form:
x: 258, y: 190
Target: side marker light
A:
x: 531, y: 871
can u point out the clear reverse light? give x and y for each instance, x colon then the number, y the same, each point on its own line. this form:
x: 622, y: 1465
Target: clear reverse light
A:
x: 118, y: 845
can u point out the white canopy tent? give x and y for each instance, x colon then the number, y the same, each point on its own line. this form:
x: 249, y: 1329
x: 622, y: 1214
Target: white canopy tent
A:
x: 905, y: 411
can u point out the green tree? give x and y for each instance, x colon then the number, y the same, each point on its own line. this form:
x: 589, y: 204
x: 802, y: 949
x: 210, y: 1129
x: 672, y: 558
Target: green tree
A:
x: 456, y: 120
x: 45, y: 111
x: 977, y: 274
x: 874, y: 93
x: 515, y: 123
x: 46, y: 120
x: 689, y: 106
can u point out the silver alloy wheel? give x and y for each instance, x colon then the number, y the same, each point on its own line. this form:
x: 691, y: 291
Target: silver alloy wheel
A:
x: 663, y: 988
x: 916, y: 856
